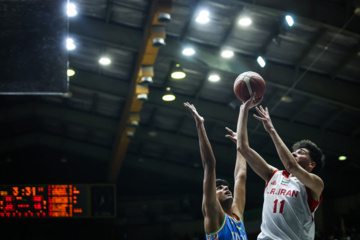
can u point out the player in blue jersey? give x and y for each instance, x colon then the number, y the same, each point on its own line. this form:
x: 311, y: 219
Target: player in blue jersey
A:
x: 223, y: 212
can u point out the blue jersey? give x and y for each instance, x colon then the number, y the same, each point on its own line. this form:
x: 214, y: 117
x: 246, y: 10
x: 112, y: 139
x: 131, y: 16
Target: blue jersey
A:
x: 231, y: 229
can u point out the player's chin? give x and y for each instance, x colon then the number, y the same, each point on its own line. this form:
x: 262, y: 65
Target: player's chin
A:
x: 228, y: 196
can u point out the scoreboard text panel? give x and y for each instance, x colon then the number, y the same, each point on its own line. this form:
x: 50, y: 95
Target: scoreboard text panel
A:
x: 54, y: 201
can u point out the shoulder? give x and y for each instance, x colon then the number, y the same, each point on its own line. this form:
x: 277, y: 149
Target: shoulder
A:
x: 275, y: 173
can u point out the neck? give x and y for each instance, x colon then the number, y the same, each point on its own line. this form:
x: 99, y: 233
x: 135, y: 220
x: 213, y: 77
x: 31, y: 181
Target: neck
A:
x: 227, y: 209
x: 228, y: 212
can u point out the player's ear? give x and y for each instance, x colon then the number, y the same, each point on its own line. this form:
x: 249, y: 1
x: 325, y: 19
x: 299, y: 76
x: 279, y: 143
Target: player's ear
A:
x: 313, y: 164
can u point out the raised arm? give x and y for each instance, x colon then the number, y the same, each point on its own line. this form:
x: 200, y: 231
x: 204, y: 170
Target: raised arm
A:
x: 256, y: 162
x: 312, y: 181
x: 212, y: 211
x: 240, y: 175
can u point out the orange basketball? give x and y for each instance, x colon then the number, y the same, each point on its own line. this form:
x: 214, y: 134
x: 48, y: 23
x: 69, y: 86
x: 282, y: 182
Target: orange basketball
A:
x: 247, y: 83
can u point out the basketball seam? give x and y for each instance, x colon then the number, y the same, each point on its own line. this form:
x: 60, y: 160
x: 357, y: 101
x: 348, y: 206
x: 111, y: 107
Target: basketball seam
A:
x: 247, y: 82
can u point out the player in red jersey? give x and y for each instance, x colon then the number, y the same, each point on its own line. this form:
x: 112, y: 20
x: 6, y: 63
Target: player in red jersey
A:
x: 291, y: 196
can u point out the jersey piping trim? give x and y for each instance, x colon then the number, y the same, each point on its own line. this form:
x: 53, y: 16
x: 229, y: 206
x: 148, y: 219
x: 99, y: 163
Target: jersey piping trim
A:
x: 222, y: 226
x: 285, y: 174
x: 235, y: 219
x: 311, y: 202
x: 271, y: 177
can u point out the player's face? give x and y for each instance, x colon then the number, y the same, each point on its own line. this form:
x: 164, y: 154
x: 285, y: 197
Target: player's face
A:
x: 302, y: 156
x: 223, y: 192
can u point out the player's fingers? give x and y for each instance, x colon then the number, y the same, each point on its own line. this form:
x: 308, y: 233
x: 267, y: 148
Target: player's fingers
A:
x: 262, y: 109
x: 260, y: 112
x: 229, y: 130
x: 258, y: 118
x: 231, y: 138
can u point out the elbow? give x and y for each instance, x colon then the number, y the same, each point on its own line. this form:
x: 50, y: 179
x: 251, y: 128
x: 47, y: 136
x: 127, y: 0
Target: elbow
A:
x: 241, y: 176
x: 209, y: 165
x: 243, y: 148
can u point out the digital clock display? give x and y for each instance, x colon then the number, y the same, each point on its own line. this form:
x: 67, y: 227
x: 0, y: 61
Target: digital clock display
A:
x: 41, y: 201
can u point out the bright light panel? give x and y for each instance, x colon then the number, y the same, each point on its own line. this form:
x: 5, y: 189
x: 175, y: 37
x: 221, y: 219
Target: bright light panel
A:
x: 342, y: 158
x: 289, y: 20
x: 203, y: 17
x: 70, y: 45
x: 70, y: 72
x: 261, y: 61
x: 188, y: 51
x: 104, y: 61
x: 214, y: 78
x: 227, y: 54
x: 245, y: 21
x: 71, y: 10
x: 178, y: 75
x: 168, y: 97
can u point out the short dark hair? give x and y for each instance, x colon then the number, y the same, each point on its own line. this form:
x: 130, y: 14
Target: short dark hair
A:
x: 316, y: 153
x: 220, y: 181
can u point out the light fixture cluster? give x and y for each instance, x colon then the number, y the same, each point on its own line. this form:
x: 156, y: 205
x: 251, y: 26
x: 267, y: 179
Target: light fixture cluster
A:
x: 203, y: 17
x: 176, y: 73
x: 71, y: 11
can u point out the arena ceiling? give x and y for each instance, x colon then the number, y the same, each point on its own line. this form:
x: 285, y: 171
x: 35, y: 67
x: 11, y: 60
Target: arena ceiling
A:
x: 89, y: 135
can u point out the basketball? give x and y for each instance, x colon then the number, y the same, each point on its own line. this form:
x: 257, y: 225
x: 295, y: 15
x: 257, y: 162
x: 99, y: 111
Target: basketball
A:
x: 247, y: 83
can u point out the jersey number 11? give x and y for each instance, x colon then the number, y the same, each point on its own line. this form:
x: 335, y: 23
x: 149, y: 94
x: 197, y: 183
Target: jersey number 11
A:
x: 282, y: 203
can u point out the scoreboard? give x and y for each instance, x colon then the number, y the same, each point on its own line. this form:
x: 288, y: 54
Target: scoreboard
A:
x: 57, y: 201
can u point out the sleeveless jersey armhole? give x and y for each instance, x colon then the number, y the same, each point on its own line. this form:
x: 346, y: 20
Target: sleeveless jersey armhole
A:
x: 313, y: 204
x: 222, y: 225
x: 271, y: 177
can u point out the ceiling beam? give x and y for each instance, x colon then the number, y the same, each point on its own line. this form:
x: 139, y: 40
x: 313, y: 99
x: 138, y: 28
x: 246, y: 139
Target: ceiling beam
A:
x: 231, y: 28
x: 291, y: 131
x: 332, y: 118
x: 311, y: 85
x: 69, y: 145
x: 99, y: 31
x: 310, y: 48
x: 60, y: 113
x: 192, y: 17
x: 99, y: 82
x: 145, y: 60
x: 299, y: 110
x: 175, y: 170
x: 350, y: 57
x: 308, y: 12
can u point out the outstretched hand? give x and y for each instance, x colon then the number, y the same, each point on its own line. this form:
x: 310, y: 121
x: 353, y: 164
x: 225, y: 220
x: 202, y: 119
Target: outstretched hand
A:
x: 264, y: 118
x: 231, y: 135
x: 192, y: 109
x: 252, y: 102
